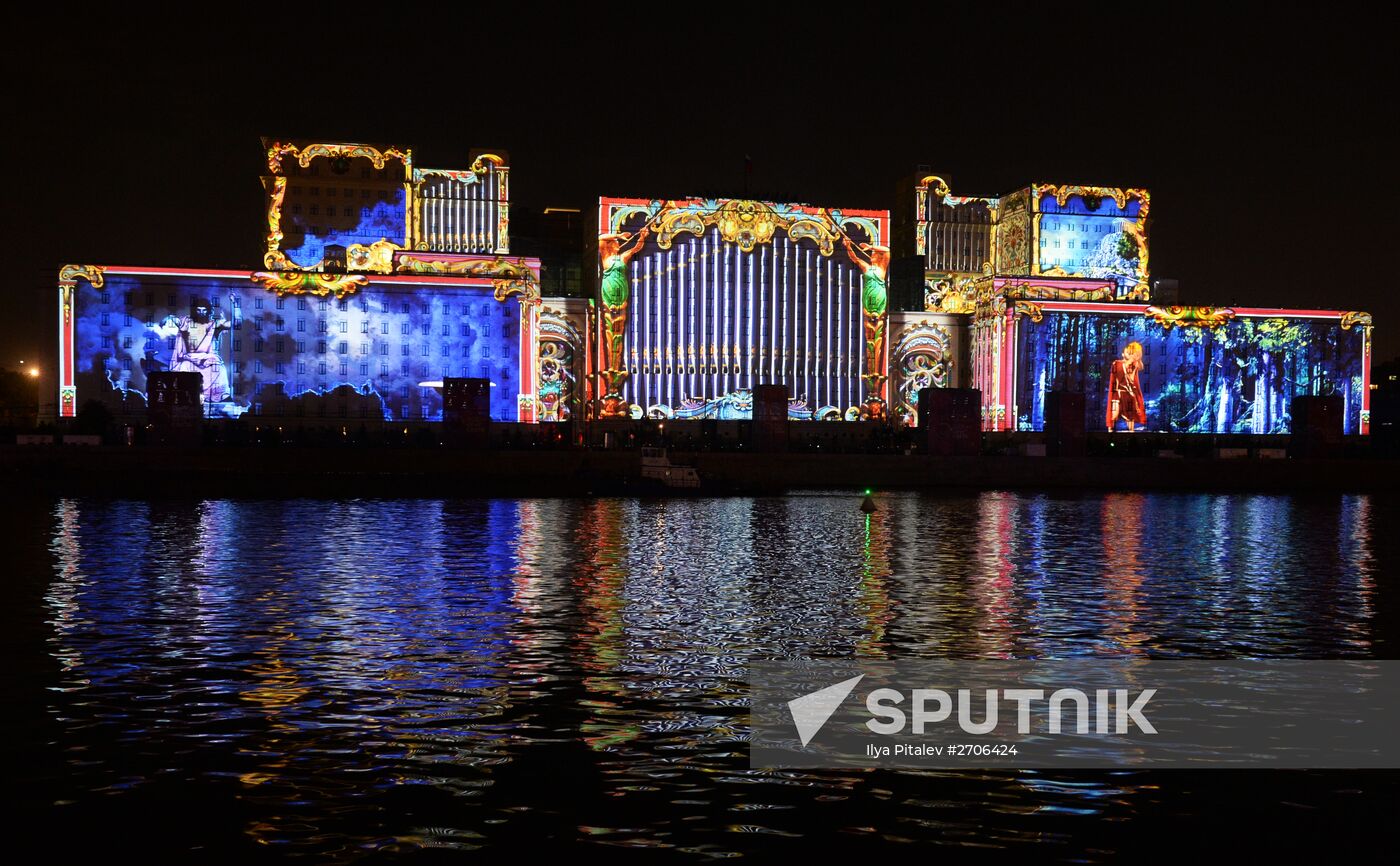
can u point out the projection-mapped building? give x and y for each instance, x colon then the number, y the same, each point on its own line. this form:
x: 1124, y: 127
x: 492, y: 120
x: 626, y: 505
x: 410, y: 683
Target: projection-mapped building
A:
x: 701, y: 300
x: 1047, y: 288
x: 380, y: 279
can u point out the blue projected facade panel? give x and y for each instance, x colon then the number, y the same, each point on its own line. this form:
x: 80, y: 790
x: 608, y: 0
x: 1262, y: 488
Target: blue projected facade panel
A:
x: 1237, y: 377
x: 310, y: 229
x: 1095, y: 232
x: 364, y: 356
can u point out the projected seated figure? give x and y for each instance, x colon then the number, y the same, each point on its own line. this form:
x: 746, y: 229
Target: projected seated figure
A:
x: 1124, y: 391
x: 196, y: 346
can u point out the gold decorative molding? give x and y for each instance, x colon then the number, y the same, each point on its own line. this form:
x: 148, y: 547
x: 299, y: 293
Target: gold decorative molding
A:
x: 747, y: 224
x: 1031, y: 310
x: 936, y: 184
x: 377, y: 257
x: 304, y: 155
x: 304, y: 283
x: 1354, y: 318
x: 528, y: 290
x: 1120, y: 197
x: 1190, y: 317
x: 1032, y: 292
x: 949, y: 293
x: 68, y: 275
x: 466, y: 266
x: 479, y: 164
x: 510, y: 276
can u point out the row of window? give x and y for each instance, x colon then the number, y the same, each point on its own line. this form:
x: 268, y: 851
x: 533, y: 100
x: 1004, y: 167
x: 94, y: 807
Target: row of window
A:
x: 342, y: 411
x: 445, y: 350
x: 382, y: 195
x: 315, y: 210
x: 483, y: 327
x: 294, y: 169
x: 323, y: 304
x: 1098, y: 227
x: 324, y: 369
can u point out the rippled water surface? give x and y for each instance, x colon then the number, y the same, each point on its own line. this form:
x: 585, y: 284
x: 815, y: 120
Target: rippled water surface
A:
x: 380, y: 679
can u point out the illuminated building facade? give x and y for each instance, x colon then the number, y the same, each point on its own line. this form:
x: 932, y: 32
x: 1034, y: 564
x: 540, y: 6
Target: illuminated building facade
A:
x: 1062, y: 302
x: 379, y: 279
x: 701, y: 300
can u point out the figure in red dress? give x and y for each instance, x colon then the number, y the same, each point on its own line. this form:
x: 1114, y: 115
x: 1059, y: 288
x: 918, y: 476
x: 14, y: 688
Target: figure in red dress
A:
x: 1124, y: 392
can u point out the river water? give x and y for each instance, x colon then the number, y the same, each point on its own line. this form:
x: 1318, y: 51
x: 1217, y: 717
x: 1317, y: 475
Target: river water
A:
x: 412, y: 680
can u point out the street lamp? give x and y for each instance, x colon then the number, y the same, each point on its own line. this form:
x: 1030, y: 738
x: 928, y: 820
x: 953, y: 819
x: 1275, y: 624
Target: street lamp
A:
x: 38, y: 395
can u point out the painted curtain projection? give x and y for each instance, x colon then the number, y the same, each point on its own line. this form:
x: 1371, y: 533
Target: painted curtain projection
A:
x: 1189, y: 369
x: 701, y: 300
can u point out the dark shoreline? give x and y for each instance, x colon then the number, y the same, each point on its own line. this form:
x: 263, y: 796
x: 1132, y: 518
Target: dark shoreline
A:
x: 298, y: 471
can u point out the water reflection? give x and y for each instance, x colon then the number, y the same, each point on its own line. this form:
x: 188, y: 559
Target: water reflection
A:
x: 343, y: 678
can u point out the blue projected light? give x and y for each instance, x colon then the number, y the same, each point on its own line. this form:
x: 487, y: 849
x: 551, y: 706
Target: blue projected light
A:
x: 1240, y: 377
x: 298, y: 356
x: 1097, y: 242
x: 383, y: 221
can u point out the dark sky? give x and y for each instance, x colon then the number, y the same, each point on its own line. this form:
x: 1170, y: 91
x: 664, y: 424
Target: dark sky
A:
x: 136, y: 141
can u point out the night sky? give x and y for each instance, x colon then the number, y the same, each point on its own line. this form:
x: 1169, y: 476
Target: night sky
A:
x: 136, y: 142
